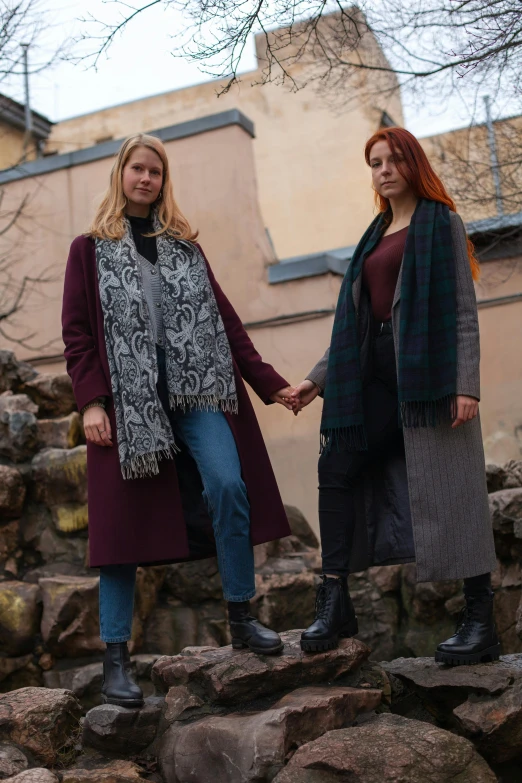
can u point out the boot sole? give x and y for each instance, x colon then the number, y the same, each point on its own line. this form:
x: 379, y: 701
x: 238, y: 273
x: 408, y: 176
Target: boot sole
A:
x: 239, y: 644
x: 484, y: 656
x: 131, y: 703
x: 322, y: 645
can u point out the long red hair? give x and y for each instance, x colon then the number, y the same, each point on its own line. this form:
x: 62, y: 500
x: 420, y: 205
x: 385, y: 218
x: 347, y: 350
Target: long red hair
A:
x: 413, y: 164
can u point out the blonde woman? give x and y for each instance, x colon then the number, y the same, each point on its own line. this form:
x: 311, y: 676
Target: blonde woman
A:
x: 177, y: 467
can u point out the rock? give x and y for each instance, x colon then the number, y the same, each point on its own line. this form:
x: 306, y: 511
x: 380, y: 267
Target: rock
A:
x: 40, y: 720
x: 387, y: 748
x: 70, y: 625
x: 148, y: 583
x: 20, y: 612
x: 83, y: 681
x: 378, y: 614
x: 9, y: 541
x: 71, y: 517
x: 483, y: 702
x: 227, y: 676
x: 55, y: 548
x: 12, y: 761
x: 252, y: 747
x: 518, y: 618
x: 18, y: 428
x: 36, y: 775
x: 495, y: 477
x: 64, y: 433
x: 300, y: 527
x: 12, y: 492
x: 52, y: 393
x: 143, y: 664
x: 506, y: 606
x: 14, y: 373
x: 181, y: 703
x: 10, y: 665
x: 113, y: 772
x: 513, y: 471
x: 506, y: 508
x: 194, y: 582
x: 170, y: 628
x: 284, y: 600
x: 60, y: 476
x: 120, y: 729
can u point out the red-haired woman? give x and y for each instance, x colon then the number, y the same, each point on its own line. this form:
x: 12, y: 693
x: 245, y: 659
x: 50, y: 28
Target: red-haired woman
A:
x: 401, y: 471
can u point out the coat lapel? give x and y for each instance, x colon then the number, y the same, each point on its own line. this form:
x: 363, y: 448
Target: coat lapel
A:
x: 397, y: 294
x: 356, y: 291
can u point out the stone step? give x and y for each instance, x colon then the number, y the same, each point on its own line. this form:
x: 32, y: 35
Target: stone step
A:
x: 223, y: 676
x: 242, y: 747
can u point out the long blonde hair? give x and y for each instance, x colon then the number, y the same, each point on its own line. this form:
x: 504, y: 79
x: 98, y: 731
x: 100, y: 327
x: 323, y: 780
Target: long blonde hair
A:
x: 109, y: 220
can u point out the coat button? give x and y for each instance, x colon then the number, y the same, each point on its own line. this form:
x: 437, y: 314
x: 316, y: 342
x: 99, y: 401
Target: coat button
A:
x: 158, y: 304
x: 153, y: 271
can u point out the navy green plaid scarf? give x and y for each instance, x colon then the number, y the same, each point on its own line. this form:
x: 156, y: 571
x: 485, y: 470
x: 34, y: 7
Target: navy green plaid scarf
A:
x: 427, y: 333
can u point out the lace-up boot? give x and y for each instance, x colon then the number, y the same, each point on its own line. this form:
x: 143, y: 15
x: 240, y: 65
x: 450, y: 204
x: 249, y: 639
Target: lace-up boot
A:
x: 475, y: 639
x: 248, y: 632
x: 118, y: 684
x: 334, y: 616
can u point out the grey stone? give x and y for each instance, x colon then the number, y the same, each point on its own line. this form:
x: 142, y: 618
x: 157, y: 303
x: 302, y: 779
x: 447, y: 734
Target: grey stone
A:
x: 52, y: 393
x: 122, y: 730
x: 12, y: 760
x: 12, y: 492
x: 35, y: 775
x: 18, y: 428
x: 14, y: 373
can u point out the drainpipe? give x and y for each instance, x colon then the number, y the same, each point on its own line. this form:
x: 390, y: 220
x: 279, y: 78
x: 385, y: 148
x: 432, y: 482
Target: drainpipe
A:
x: 493, y: 156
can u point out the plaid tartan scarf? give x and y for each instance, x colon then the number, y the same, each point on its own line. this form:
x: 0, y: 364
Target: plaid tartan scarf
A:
x: 427, y: 348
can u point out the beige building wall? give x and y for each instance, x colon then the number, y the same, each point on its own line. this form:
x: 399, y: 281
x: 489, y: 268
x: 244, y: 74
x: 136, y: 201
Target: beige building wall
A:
x: 314, y: 190
x: 12, y: 146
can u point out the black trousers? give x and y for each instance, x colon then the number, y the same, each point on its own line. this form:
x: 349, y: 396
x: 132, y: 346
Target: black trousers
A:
x: 339, y: 470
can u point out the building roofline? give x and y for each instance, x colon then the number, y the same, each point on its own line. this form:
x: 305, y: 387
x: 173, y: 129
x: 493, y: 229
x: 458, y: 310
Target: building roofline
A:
x: 108, y: 149
x: 13, y: 113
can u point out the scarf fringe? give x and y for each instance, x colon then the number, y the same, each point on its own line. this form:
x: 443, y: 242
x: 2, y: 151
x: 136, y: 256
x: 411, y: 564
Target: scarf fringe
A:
x: 428, y: 413
x: 350, y: 438
x: 146, y: 465
x: 208, y: 402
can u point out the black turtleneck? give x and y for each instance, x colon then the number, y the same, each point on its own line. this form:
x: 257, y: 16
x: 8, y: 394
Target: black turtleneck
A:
x: 146, y: 246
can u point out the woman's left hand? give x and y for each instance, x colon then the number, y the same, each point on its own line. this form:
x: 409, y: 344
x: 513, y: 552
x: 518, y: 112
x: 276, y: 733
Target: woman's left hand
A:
x: 467, y: 409
x: 283, y: 397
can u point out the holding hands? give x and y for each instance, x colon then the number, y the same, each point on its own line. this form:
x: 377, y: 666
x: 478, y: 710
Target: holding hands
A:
x: 296, y: 399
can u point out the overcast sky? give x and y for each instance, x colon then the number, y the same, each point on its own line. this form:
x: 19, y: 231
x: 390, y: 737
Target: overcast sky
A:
x: 139, y: 64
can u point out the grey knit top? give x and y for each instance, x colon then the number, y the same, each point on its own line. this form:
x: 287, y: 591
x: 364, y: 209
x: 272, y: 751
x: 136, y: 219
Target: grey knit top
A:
x: 152, y: 293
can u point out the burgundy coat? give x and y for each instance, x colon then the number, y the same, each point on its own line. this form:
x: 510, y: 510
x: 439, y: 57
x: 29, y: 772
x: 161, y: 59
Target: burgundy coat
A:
x: 161, y: 518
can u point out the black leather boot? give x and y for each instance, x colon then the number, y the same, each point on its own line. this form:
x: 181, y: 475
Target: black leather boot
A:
x: 334, y: 616
x: 248, y: 632
x: 475, y: 639
x: 118, y: 685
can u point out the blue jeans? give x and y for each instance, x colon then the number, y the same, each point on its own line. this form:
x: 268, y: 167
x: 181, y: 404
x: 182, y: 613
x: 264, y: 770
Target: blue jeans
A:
x: 210, y: 441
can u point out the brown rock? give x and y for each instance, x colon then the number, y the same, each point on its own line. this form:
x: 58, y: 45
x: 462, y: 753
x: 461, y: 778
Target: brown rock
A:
x: 40, y: 720
x: 52, y: 393
x: 387, y: 748
x: 301, y: 528
x: 20, y: 612
x: 113, y: 772
x: 518, y: 618
x: 36, y: 775
x: 252, y: 747
x: 194, y: 582
x: 59, y: 476
x: 285, y: 594
x: 495, y: 477
x: 428, y: 677
x: 227, y: 676
x: 10, y: 665
x: 81, y: 680
x: 148, y: 583
x: 63, y: 433
x: 70, y: 625
x: 12, y: 492
x: 18, y: 428
x: 170, y: 628
x: 9, y: 540
x: 55, y: 548
x: 70, y: 517
x: 12, y: 761
x: 386, y: 578
x: 378, y: 615
x: 14, y: 373
x: 506, y: 606
x: 513, y: 470
x: 120, y: 729
x: 181, y: 703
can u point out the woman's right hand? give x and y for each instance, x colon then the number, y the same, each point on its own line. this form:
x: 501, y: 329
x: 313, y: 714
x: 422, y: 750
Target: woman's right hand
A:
x: 97, y: 426
x: 303, y: 395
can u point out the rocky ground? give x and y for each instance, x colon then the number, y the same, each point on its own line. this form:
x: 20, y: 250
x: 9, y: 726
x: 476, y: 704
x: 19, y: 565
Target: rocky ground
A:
x: 306, y: 714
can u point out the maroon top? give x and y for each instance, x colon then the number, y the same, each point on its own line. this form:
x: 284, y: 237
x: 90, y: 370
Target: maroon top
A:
x: 161, y: 518
x: 381, y: 271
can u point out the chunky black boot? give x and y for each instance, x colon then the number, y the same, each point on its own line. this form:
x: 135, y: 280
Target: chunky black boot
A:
x: 118, y: 686
x: 248, y: 632
x: 334, y: 616
x: 475, y: 639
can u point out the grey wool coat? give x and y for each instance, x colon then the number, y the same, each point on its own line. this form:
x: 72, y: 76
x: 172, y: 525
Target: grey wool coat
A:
x: 430, y: 503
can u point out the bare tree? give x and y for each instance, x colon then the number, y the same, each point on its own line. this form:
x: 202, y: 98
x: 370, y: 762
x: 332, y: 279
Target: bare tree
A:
x: 434, y: 46
x: 18, y: 290
x: 24, y: 22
